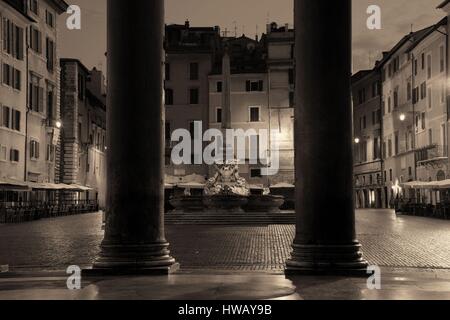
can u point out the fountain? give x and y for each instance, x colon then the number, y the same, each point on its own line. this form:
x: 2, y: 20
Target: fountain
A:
x: 226, y: 191
x: 188, y: 194
x: 260, y: 200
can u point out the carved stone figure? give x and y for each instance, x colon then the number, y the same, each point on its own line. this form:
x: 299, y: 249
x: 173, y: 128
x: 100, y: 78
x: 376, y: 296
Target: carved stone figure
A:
x: 227, y: 181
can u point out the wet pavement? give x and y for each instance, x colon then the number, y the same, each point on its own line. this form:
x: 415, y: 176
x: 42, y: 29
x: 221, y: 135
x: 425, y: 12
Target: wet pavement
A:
x: 227, y: 262
x: 387, y: 240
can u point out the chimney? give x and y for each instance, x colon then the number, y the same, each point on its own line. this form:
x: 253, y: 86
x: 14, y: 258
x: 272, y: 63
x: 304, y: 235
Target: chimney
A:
x: 286, y: 26
x: 187, y: 24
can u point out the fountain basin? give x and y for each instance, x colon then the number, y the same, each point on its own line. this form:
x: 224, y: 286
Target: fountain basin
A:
x: 187, y: 203
x: 264, y: 203
x: 228, y: 203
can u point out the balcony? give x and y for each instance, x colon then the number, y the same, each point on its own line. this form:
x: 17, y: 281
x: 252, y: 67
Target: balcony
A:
x: 431, y: 155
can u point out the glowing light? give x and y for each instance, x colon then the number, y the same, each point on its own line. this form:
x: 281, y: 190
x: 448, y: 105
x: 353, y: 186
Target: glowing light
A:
x: 402, y: 117
x: 396, y: 188
x: 58, y: 124
x: 357, y: 140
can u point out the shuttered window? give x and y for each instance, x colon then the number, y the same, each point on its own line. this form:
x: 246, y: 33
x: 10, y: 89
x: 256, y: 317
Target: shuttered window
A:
x: 36, y: 40
x: 11, y: 77
x: 15, y: 120
x: 34, y: 149
x: 50, y: 54
x: 13, y: 39
x: 6, y: 122
x: 251, y: 86
x: 36, y: 95
x: 14, y: 155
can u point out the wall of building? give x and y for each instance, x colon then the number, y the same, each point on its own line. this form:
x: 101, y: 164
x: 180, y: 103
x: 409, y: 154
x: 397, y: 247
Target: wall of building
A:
x: 281, y: 77
x: 398, y: 144
x: 13, y: 99
x: 368, y: 169
x: 432, y: 162
x: 84, y: 132
x: 41, y: 128
x: 181, y: 113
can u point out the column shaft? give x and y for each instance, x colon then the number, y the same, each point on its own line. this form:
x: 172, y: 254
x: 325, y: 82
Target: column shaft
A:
x: 325, y: 237
x: 134, y: 236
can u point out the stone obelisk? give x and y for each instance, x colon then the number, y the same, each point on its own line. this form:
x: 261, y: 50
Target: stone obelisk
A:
x: 226, y: 91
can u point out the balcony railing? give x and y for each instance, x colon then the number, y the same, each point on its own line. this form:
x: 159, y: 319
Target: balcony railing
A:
x: 431, y: 154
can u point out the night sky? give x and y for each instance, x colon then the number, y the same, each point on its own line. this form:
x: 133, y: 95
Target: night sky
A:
x: 89, y: 44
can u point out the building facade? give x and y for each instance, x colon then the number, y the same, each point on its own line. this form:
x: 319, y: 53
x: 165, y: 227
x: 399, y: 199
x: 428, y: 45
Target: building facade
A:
x: 248, y: 96
x: 13, y: 90
x: 29, y: 134
x: 262, y: 84
x: 412, y: 126
x: 281, y: 79
x: 190, y: 57
x: 43, y: 113
x: 83, y: 113
x: 368, y: 170
x: 429, y: 79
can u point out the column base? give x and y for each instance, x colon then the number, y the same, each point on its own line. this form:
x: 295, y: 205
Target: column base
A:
x: 148, y: 259
x: 341, y: 260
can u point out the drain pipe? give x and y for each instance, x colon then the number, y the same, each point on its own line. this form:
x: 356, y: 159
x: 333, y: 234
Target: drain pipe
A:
x: 27, y: 88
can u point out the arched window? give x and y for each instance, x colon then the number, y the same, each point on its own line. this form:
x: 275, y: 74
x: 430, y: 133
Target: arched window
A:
x: 440, y: 175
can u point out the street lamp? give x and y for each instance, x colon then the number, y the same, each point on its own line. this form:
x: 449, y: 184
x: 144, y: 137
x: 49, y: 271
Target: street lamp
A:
x: 58, y: 124
x: 402, y: 117
x: 357, y: 140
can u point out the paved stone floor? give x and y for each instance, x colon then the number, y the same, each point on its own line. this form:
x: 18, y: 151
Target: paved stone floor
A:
x: 387, y: 240
x: 223, y: 262
x: 396, y: 284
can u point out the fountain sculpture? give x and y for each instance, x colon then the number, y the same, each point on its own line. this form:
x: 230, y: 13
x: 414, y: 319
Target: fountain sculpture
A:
x: 226, y: 190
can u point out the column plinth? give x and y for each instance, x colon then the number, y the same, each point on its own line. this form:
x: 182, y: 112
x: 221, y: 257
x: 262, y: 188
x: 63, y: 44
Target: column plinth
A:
x: 325, y: 241
x: 327, y: 259
x: 135, y: 240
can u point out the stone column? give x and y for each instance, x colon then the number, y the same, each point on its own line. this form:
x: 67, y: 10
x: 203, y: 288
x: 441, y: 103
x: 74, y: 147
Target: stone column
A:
x: 325, y: 239
x: 134, y: 238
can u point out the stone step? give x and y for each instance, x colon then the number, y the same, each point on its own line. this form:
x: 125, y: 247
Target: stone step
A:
x: 213, y: 218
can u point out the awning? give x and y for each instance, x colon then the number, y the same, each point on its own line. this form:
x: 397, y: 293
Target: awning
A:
x: 57, y: 187
x: 81, y: 188
x: 282, y: 186
x: 13, y: 185
x: 445, y: 184
x: 256, y: 187
x: 191, y: 185
x: 416, y: 185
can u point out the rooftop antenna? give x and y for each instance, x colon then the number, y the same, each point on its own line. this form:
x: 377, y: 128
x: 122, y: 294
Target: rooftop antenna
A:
x: 268, y: 18
x: 412, y: 28
x: 243, y: 29
x: 257, y: 35
x: 225, y: 33
x: 235, y: 28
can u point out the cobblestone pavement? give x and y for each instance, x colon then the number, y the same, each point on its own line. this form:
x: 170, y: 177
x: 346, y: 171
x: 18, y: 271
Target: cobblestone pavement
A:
x: 387, y: 241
